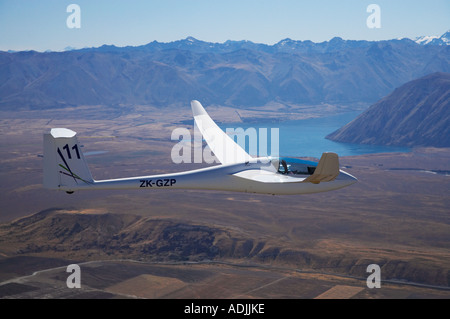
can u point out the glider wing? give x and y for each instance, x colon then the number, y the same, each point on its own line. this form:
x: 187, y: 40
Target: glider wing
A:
x: 225, y: 149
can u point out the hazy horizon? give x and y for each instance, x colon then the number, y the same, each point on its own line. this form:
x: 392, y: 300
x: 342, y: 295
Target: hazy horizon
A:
x: 43, y: 25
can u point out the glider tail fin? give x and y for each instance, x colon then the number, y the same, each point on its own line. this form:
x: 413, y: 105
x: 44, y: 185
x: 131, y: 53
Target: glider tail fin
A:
x: 64, y: 165
x: 327, y: 170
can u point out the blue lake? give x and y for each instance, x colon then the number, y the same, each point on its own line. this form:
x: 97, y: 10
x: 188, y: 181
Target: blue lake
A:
x: 301, y: 138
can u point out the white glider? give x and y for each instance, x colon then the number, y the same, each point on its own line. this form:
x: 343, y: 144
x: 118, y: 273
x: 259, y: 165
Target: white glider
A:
x: 66, y: 169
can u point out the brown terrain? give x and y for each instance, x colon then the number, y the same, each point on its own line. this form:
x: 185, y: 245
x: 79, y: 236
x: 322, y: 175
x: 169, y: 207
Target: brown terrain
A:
x: 205, y: 244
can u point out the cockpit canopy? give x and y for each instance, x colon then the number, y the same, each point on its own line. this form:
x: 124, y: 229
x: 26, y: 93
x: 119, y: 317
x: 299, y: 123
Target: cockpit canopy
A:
x: 293, y: 166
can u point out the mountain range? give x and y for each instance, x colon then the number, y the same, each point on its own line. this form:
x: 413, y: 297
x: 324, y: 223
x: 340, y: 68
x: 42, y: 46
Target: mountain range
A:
x: 415, y: 114
x: 235, y: 73
x: 285, y: 45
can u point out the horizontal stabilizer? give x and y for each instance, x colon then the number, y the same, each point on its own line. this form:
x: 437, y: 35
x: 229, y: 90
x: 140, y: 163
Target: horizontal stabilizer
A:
x: 327, y: 170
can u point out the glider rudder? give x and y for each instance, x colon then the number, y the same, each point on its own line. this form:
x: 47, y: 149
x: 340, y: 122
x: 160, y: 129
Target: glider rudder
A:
x: 64, y: 165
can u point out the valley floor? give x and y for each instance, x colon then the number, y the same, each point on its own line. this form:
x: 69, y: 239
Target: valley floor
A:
x: 397, y: 216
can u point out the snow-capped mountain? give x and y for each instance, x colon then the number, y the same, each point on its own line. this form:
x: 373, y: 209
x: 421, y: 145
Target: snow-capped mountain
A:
x: 434, y: 40
x: 424, y: 40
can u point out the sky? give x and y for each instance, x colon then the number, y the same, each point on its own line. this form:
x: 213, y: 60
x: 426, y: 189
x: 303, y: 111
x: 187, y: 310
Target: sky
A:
x: 42, y: 25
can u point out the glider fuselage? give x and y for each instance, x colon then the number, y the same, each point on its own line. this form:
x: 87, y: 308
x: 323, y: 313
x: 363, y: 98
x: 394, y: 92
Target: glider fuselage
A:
x: 223, y: 178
